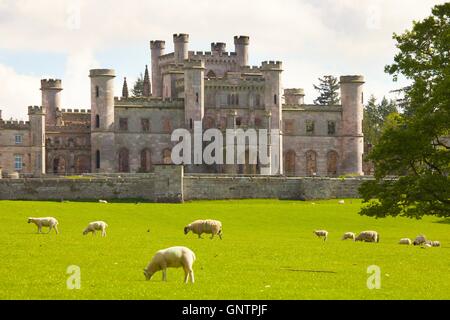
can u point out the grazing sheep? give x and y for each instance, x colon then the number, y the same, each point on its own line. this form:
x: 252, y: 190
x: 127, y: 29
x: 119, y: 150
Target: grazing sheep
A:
x: 45, y: 222
x: 368, y: 236
x: 94, y: 226
x: 205, y: 226
x: 173, y: 257
x: 102, y: 201
x: 341, y: 201
x: 420, y: 239
x: 435, y: 244
x: 321, y: 233
x: 348, y: 235
x: 405, y: 241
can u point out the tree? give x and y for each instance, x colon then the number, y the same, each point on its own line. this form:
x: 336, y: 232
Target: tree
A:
x: 138, y: 87
x: 374, y: 117
x: 415, y: 145
x: 328, y: 91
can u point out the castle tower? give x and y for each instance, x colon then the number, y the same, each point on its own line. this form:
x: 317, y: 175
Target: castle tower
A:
x: 157, y: 48
x: 241, y: 49
x: 180, y: 43
x: 194, y: 91
x: 217, y: 48
x: 271, y: 71
x: 295, y: 96
x: 51, y: 99
x: 352, y: 116
x: 102, y: 120
x: 125, y: 88
x: 37, y: 129
x: 146, y: 92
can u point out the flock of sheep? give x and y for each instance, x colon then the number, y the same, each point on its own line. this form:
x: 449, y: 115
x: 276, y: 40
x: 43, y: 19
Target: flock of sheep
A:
x: 179, y: 256
x: 173, y: 257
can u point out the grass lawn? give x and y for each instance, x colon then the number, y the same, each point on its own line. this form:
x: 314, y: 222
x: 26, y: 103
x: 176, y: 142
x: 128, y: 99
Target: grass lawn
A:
x: 268, y: 251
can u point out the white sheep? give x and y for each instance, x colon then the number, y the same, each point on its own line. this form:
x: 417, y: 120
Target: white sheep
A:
x: 173, y: 257
x: 406, y: 241
x: 435, y: 243
x: 368, y: 236
x: 102, y: 201
x: 348, y: 235
x: 94, y: 226
x: 321, y: 233
x: 205, y: 226
x: 420, y: 239
x: 45, y: 222
x: 341, y: 202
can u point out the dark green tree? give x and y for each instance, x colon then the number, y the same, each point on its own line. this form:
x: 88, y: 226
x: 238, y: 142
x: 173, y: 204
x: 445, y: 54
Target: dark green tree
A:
x: 138, y: 87
x: 375, y: 115
x: 415, y: 146
x: 328, y: 91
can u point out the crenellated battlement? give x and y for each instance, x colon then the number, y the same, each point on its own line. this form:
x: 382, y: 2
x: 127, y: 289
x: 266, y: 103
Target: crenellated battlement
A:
x: 14, y: 124
x: 194, y: 64
x: 157, y: 44
x: 218, y: 47
x: 271, y: 65
x: 76, y: 111
x: 148, y: 102
x: 245, y: 40
x: 36, y: 110
x: 180, y: 37
x: 352, y: 79
x: 294, y: 92
x: 102, y: 73
x: 51, y: 84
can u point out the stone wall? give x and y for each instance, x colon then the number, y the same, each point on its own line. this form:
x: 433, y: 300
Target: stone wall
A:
x: 202, y: 187
x: 164, y: 185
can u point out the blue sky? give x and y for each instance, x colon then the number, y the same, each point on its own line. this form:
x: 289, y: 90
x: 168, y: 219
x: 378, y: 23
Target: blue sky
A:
x: 64, y: 39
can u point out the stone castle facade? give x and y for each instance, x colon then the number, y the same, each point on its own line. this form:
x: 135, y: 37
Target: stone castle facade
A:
x: 218, y: 88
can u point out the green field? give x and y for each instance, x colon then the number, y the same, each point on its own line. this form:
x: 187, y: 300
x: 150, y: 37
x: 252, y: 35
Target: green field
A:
x: 268, y: 251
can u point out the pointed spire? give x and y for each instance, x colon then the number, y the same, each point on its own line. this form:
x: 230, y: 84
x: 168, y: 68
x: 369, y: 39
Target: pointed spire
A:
x: 146, y: 90
x: 125, y: 88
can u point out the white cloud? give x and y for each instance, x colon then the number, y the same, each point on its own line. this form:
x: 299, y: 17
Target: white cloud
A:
x: 311, y: 37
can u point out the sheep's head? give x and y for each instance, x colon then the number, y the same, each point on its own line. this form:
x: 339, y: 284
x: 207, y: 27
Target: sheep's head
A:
x: 30, y: 219
x: 147, y: 275
x: 85, y: 232
x: 186, y: 230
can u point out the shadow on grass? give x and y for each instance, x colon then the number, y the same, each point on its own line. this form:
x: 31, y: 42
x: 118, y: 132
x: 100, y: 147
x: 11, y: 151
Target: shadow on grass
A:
x: 443, y: 221
x: 303, y: 270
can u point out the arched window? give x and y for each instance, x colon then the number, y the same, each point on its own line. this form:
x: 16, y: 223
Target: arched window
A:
x: 332, y: 161
x: 311, y: 163
x: 210, y: 74
x: 167, y: 156
x: 97, y: 159
x: 289, y: 162
x: 146, y: 160
x: 97, y: 121
x: 124, y: 165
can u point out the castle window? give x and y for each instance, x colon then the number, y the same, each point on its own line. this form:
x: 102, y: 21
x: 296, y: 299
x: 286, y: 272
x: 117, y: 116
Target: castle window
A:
x: 18, y: 162
x: 237, y: 99
x: 123, y: 124
x: 275, y: 100
x: 309, y: 127
x: 196, y: 97
x: 238, y: 121
x: 331, y: 127
x: 145, y: 124
x: 97, y: 121
x: 257, y: 100
x: 289, y: 126
x: 362, y: 97
x: 97, y: 159
x: 191, y: 124
x: 18, y: 139
x: 97, y: 91
x: 258, y: 122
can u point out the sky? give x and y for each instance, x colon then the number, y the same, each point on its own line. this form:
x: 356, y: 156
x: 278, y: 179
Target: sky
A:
x: 64, y: 39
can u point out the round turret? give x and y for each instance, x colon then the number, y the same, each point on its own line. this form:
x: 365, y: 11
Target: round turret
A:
x: 51, y: 99
x: 241, y: 48
x: 157, y: 49
x: 180, y: 42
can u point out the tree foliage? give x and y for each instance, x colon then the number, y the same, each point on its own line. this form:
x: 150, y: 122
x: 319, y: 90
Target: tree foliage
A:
x: 328, y: 91
x: 138, y: 87
x: 415, y: 146
x: 375, y: 115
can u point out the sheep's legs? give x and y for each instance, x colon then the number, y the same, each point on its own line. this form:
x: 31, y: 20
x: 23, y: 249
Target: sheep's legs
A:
x: 49, y: 229
x: 56, y: 229
x: 103, y: 233
x: 186, y: 276
x: 164, y: 275
x: 191, y: 273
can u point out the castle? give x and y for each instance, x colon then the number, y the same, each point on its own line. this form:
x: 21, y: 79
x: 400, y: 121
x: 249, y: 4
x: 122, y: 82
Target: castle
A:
x: 218, y: 88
